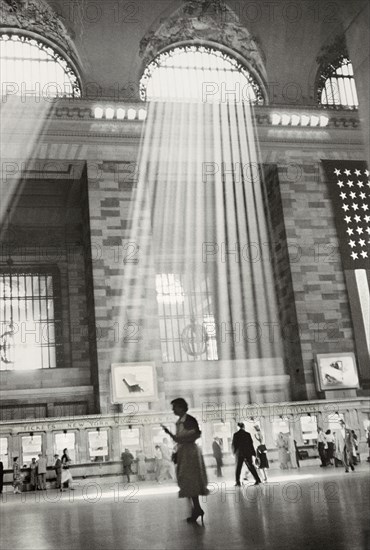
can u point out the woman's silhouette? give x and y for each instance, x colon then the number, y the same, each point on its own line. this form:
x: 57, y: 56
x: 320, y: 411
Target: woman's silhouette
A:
x: 190, y: 468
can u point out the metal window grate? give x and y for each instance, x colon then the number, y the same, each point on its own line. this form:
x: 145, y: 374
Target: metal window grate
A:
x: 186, y: 320
x: 198, y: 73
x: 30, y: 319
x: 338, y: 88
x: 30, y: 66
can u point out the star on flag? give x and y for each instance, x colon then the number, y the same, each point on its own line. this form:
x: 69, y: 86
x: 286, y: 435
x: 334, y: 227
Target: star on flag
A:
x: 349, y: 189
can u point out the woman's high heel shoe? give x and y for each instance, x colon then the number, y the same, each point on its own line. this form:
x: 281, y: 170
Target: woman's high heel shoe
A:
x: 195, y: 515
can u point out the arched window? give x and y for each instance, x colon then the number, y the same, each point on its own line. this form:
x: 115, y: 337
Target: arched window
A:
x: 337, y: 86
x: 198, y: 73
x: 29, y: 66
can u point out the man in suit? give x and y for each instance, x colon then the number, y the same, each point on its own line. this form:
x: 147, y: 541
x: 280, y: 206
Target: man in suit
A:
x: 243, y: 449
x: 127, y: 460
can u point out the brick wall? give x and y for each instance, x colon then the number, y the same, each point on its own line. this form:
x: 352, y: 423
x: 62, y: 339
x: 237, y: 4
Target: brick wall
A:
x: 283, y: 285
x: 123, y: 274
x: 319, y: 290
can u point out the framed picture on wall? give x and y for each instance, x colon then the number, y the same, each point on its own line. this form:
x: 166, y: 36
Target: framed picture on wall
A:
x: 133, y: 382
x: 336, y: 371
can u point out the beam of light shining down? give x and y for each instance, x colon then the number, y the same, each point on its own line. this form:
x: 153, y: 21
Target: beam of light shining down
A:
x: 364, y: 296
x: 22, y: 122
x: 199, y: 218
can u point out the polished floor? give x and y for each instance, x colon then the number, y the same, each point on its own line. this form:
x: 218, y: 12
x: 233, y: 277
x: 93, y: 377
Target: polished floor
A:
x: 309, y: 508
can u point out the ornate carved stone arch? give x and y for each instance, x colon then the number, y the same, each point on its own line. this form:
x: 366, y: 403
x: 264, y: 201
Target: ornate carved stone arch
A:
x: 208, y: 24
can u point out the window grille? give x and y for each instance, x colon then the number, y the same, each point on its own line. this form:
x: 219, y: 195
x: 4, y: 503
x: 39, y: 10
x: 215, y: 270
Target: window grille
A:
x: 186, y: 319
x: 337, y: 87
x: 198, y: 73
x: 30, y: 319
x: 31, y: 67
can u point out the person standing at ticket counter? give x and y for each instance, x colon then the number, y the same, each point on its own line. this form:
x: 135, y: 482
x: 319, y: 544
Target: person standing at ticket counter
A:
x: 41, y: 473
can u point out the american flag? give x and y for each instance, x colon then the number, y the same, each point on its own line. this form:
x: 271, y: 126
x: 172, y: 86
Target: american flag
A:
x: 349, y: 188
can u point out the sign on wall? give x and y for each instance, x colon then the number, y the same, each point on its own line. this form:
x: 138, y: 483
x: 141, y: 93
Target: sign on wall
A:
x: 336, y: 371
x: 132, y: 382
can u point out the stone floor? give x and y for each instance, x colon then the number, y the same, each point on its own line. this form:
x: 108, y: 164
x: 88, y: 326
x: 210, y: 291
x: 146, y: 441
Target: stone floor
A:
x: 309, y: 508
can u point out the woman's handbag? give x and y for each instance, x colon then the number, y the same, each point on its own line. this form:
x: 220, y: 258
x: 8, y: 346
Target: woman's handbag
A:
x: 174, y: 457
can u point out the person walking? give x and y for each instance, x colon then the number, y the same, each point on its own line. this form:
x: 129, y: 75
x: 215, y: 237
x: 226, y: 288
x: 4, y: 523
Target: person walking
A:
x: 33, y: 474
x: 262, y: 460
x: 292, y: 452
x: 282, y: 445
x: 141, y: 465
x: 349, y: 450
x: 244, y: 451
x: 58, y: 471
x: 66, y: 477
x: 356, y: 454
x: 17, y: 476
x: 190, y: 467
x: 321, y: 447
x: 217, y: 453
x: 331, y: 447
x: 127, y: 460
x: 167, y: 464
x: 297, y: 455
x: 339, y: 445
x: 158, y: 463
x: 41, y: 473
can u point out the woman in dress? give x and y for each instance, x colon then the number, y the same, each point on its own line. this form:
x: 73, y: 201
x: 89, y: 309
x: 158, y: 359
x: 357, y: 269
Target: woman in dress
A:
x: 282, y: 446
x: 66, y: 473
x: 261, y: 458
x: 217, y: 453
x: 348, y: 452
x: 141, y: 465
x: 190, y: 468
x: 292, y: 451
x: 17, y: 476
x: 158, y: 463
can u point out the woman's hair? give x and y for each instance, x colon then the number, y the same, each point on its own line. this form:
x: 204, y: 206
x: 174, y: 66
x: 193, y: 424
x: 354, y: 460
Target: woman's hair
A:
x: 15, y: 458
x: 65, y: 451
x: 180, y: 402
x: 328, y: 432
x: 241, y: 424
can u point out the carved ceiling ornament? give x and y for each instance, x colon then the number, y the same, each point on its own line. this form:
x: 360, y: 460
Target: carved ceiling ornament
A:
x: 36, y: 16
x: 333, y: 53
x: 207, y: 23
